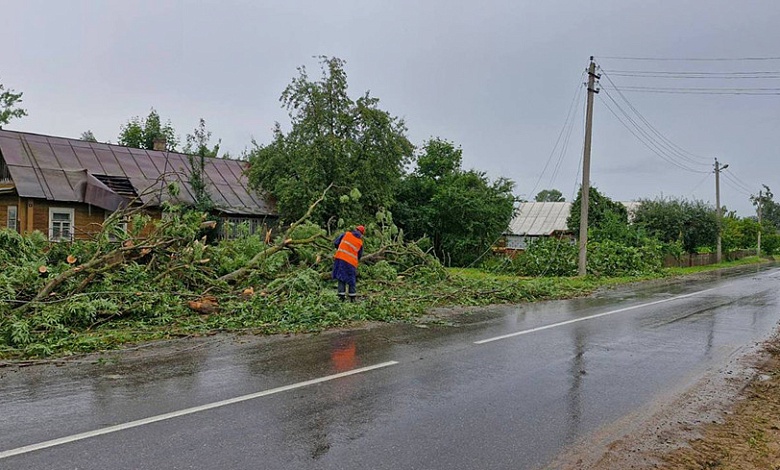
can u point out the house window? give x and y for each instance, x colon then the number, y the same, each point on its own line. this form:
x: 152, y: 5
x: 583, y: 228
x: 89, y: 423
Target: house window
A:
x: 11, y: 223
x: 60, y: 224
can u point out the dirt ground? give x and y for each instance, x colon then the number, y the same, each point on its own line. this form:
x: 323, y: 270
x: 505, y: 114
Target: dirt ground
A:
x: 749, y: 437
x: 730, y: 421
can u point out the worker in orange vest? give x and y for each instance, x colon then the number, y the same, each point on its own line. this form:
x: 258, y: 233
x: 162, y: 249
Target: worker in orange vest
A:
x: 349, y: 250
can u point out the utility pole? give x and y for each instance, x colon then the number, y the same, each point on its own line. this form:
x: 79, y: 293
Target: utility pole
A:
x: 585, y: 189
x: 758, y: 249
x: 718, y: 169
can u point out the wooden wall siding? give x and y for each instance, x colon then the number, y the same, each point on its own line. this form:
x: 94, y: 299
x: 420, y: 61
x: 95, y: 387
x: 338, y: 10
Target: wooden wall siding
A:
x: 6, y: 201
x: 88, y: 220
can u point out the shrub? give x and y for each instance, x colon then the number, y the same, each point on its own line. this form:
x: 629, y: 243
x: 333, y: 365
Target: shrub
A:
x: 548, y: 257
x: 609, y: 258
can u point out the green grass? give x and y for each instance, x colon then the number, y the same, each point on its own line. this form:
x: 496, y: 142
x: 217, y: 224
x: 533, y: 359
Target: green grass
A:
x: 384, y: 301
x: 712, y: 267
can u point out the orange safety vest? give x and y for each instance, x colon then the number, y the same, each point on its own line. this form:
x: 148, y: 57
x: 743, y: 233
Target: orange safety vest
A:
x: 349, y: 248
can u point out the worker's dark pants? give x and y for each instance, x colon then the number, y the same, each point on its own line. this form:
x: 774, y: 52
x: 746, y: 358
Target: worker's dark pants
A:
x: 342, y: 289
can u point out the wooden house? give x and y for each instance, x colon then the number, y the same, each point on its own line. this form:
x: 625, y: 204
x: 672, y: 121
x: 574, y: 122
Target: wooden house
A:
x: 66, y: 188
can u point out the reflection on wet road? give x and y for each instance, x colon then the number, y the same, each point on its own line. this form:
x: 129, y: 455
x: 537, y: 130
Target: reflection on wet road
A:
x: 557, y: 372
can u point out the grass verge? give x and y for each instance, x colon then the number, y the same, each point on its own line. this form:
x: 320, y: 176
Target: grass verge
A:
x: 311, y: 310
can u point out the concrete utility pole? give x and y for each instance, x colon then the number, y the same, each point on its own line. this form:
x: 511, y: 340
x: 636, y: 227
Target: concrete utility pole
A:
x: 718, y: 169
x: 758, y: 248
x: 585, y: 189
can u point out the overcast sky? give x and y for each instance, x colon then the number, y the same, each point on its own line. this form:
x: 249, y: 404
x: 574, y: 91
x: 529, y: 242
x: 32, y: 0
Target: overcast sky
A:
x: 496, y: 77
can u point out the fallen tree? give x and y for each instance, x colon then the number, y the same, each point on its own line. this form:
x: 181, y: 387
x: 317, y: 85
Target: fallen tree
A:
x: 163, y: 271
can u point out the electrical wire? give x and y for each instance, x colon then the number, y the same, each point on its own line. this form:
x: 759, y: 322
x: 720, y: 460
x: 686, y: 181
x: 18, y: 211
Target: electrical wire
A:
x: 742, y: 182
x: 728, y: 183
x: 729, y: 179
x: 645, y: 139
x: 699, y: 183
x: 565, y: 146
x: 696, y: 75
x: 682, y: 153
x: 697, y: 91
x: 693, y: 59
x: 566, y: 124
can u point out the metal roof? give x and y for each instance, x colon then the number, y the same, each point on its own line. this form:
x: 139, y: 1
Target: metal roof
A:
x: 540, y: 218
x: 545, y: 218
x: 57, y: 169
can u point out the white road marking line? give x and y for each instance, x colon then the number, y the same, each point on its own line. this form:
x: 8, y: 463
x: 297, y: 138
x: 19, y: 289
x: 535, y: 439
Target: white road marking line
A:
x: 187, y: 411
x: 774, y: 273
x: 568, y: 322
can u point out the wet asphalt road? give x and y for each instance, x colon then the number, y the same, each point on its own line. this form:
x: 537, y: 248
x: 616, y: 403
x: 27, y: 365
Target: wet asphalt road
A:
x: 444, y: 403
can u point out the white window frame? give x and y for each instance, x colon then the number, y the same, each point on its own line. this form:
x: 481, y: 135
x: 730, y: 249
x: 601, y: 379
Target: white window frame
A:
x: 71, y: 215
x: 12, y: 220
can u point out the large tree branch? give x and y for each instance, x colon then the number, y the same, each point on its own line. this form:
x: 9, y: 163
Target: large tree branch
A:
x: 281, y: 245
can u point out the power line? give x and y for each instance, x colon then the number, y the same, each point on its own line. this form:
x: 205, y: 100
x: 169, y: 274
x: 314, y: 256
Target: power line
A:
x: 736, y: 184
x: 699, y: 92
x: 735, y: 187
x: 693, y: 59
x: 646, y: 141
x: 689, y: 72
x: 745, y: 185
x: 697, y: 75
x: 684, y: 154
x: 567, y: 124
x: 699, y: 183
x: 662, y: 149
x: 702, y: 88
x: 565, y: 146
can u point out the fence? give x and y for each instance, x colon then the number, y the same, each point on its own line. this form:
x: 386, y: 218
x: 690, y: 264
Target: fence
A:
x: 702, y: 259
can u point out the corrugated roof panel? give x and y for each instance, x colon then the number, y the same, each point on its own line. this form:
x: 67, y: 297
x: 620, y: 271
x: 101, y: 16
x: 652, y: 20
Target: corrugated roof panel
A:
x: 540, y: 218
x: 129, y: 164
x: 160, y: 160
x: 26, y: 181
x: 100, y: 146
x: 80, y: 144
x: 181, y: 170
x: 186, y: 194
x: 13, y: 152
x: 28, y: 154
x: 237, y: 169
x: 248, y: 197
x: 108, y: 162
x: 36, y: 138
x: 220, y: 198
x: 214, y: 169
x: 88, y: 159
x: 58, y: 141
x: 230, y: 171
x: 230, y: 197
x: 66, y: 156
x: 222, y: 190
x: 146, y: 188
x: 43, y: 154
x: 178, y: 165
x: 148, y: 169
x: 59, y: 185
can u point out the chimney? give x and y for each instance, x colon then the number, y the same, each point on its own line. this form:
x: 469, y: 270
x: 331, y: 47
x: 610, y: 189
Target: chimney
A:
x: 159, y: 143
